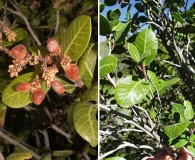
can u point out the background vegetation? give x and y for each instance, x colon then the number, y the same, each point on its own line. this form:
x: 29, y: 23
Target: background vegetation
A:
x: 147, y: 78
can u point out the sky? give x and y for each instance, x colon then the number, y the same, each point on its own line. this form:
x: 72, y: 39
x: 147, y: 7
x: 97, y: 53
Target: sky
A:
x: 133, y: 10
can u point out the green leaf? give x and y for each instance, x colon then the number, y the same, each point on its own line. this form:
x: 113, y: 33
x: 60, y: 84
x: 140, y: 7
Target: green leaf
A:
x: 78, y: 36
x: 85, y: 122
x: 91, y: 93
x: 110, y: 2
x: 189, y: 112
x: 107, y: 65
x: 177, y: 17
x: 173, y: 131
x: 87, y: 65
x: 149, y: 57
x: 120, y: 35
x: 181, y: 143
x: 105, y: 27
x: 114, y: 14
x: 133, y: 52
x: 60, y: 38
x: 129, y: 92
x: 115, y: 158
x: 146, y: 41
x: 15, y: 99
x: 166, y: 85
x: 118, y: 27
x: 20, y: 155
x: 102, y: 5
x: 178, y: 108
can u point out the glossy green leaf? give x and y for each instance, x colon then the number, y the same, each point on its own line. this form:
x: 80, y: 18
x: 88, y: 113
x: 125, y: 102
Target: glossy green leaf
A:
x: 139, y: 7
x: 85, y: 122
x: 129, y: 92
x: 63, y: 153
x: 107, y: 65
x: 77, y: 37
x: 167, y: 84
x: 150, y: 56
x: 110, y: 2
x: 133, y: 52
x: 14, y: 99
x: 189, y: 112
x: 102, y: 5
x: 120, y: 35
x: 105, y: 27
x: 178, y: 17
x: 118, y: 27
x: 91, y: 93
x: 20, y: 155
x: 146, y: 41
x: 115, y: 158
x: 173, y: 131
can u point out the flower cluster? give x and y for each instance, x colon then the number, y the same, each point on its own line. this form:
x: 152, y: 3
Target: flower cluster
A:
x: 50, y: 66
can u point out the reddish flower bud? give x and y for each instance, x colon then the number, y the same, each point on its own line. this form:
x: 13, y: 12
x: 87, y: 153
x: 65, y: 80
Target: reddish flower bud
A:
x: 52, y: 45
x: 19, y: 51
x: 48, y: 59
x: 37, y: 96
x: 23, y: 87
x: 72, y: 72
x: 57, y: 87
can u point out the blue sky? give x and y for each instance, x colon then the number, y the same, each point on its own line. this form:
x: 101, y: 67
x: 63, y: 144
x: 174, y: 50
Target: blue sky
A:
x: 133, y: 10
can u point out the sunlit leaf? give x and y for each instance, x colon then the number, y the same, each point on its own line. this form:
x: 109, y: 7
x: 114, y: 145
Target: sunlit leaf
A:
x: 77, y: 37
x: 173, y: 131
x: 107, y: 65
x: 189, y: 112
x: 146, y: 41
x: 115, y: 158
x: 85, y: 122
x: 133, y: 52
x: 129, y: 92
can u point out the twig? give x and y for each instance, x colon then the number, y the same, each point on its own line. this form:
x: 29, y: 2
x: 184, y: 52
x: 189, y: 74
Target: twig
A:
x: 125, y: 144
x: 111, y: 80
x: 46, y: 137
x: 68, y: 136
x: 1, y: 156
x: 37, y: 139
x: 57, y: 21
x: 14, y: 142
x: 86, y: 156
x: 20, y: 14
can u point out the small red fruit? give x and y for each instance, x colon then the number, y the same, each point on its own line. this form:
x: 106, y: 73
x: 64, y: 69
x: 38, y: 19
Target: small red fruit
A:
x: 57, y: 87
x: 52, y: 45
x: 23, y: 87
x: 37, y: 96
x: 72, y: 72
x: 19, y: 51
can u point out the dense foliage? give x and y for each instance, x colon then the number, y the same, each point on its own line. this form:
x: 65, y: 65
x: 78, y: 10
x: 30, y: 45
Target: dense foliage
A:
x: 48, y: 79
x: 147, y: 79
